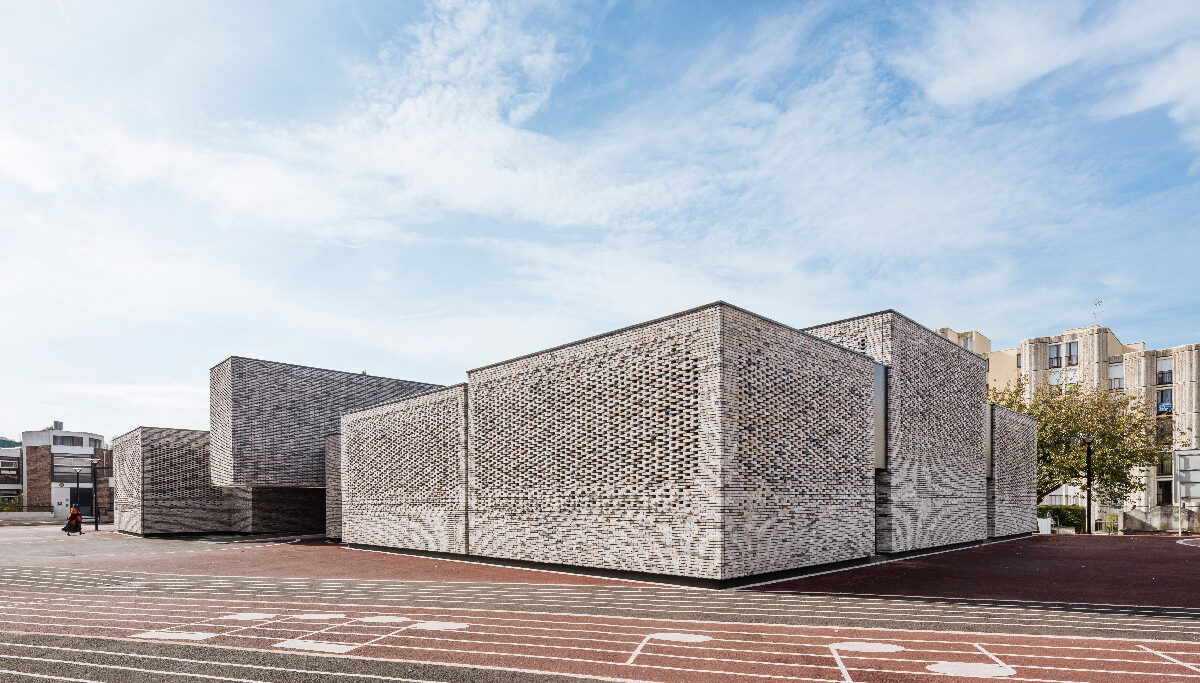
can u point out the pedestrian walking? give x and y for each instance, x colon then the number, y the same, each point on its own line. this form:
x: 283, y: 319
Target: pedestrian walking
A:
x: 74, y: 522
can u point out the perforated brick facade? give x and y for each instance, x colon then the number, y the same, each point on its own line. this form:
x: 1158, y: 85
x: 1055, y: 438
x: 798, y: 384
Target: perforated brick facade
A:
x: 269, y: 420
x: 604, y: 453
x: 798, y: 478
x: 403, y: 473
x: 1012, y: 507
x: 934, y: 489
x: 272, y: 509
x: 163, y: 485
x: 333, y: 486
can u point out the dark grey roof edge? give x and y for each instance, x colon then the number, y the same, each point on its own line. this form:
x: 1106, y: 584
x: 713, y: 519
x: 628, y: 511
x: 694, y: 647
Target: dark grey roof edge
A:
x: 313, y: 367
x: 715, y: 304
x: 141, y: 427
x: 900, y: 315
x: 399, y: 400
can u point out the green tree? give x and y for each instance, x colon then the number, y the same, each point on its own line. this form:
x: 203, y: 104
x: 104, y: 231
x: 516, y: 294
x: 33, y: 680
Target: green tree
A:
x: 1124, y: 430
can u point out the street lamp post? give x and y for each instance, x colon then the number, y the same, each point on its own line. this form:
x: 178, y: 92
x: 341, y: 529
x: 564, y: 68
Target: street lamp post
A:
x: 77, y: 471
x: 1087, y: 440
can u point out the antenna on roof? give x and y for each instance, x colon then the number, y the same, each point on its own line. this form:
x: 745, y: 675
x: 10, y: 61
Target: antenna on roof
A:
x: 1097, y: 309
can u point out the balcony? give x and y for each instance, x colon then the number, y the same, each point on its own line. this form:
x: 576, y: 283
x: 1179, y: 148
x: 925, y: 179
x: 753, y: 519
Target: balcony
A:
x: 1163, y: 377
x: 1116, y: 383
x: 1056, y: 361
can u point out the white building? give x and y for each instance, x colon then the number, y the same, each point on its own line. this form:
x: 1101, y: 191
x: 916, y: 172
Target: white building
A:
x: 11, y: 475
x: 67, y: 473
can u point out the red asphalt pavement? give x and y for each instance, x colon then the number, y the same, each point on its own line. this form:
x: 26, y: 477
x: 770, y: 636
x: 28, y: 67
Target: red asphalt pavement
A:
x: 621, y: 648
x: 1152, y: 571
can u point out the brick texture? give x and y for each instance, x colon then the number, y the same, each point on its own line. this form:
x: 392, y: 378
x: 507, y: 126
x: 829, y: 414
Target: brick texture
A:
x: 797, y: 419
x: 1012, y: 504
x: 268, y: 509
x: 163, y: 486
x: 934, y: 490
x: 38, y: 466
x: 403, y: 473
x: 604, y: 453
x: 269, y: 420
x: 333, y: 486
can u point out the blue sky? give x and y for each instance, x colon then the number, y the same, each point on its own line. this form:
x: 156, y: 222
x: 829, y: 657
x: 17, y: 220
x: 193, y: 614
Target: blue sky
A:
x: 415, y: 190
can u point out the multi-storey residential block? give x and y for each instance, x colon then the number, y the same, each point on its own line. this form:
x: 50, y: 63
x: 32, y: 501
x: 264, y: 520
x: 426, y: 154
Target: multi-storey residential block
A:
x: 12, y: 481
x: 1167, y: 380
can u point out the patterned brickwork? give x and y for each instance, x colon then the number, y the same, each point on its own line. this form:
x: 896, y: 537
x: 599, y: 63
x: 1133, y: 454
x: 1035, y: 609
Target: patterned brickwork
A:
x: 403, y: 473
x: 1012, y: 504
x: 333, y: 486
x: 798, y: 426
x: 604, y: 453
x: 171, y: 466
x: 934, y: 491
x: 270, y: 419
x: 38, y: 463
x: 127, y: 479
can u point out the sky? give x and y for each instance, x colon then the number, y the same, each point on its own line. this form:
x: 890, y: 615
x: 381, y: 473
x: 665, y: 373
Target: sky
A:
x: 415, y: 190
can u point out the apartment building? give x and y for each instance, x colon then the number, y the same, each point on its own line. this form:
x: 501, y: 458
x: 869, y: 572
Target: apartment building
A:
x: 10, y: 474
x: 1168, y: 380
x: 56, y: 468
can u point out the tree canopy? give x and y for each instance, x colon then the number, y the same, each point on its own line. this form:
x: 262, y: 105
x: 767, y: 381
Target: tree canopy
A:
x: 1124, y: 429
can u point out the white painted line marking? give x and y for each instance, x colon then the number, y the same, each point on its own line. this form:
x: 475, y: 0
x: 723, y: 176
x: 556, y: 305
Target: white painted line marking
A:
x: 315, y: 646
x: 318, y: 617
x: 438, y: 626
x: 972, y: 669
x: 1170, y: 658
x: 841, y: 665
x: 681, y: 637
x: 246, y: 616
x: 175, y: 635
x: 863, y: 646
x: 383, y: 619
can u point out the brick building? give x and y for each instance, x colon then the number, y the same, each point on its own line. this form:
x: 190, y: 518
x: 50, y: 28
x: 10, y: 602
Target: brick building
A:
x: 52, y: 470
x: 1168, y: 380
x: 712, y: 444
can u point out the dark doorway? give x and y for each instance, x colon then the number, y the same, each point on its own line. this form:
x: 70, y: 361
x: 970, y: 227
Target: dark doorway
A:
x: 82, y: 499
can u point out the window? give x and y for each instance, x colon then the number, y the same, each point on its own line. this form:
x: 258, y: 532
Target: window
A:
x: 1166, y: 366
x: 68, y: 441
x: 1116, y: 376
x: 1164, y: 401
x: 1018, y: 360
x: 94, y: 443
x: 968, y: 343
x: 1056, y: 355
x: 1165, y: 431
x: 1165, y: 460
x: 1164, y: 492
x: 1073, y: 353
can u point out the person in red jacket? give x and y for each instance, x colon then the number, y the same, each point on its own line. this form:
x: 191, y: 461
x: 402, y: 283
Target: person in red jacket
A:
x: 74, y: 522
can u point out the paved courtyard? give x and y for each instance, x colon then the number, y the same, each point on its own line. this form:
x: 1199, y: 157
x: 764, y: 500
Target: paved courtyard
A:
x: 108, y: 607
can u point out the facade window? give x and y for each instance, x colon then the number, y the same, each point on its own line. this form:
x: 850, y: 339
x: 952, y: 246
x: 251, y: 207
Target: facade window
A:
x: 968, y: 343
x: 94, y: 443
x: 1164, y: 401
x: 1018, y: 360
x: 1166, y: 367
x: 1164, y: 496
x: 1165, y: 461
x: 1056, y: 355
x: 1116, y: 376
x: 68, y: 441
x: 1165, y: 431
x: 1073, y: 353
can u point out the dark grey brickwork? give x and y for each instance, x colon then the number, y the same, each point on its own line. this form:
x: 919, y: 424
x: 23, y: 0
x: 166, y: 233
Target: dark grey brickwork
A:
x: 270, y: 419
x: 271, y: 509
x: 163, y: 486
x: 403, y: 473
x: 934, y: 490
x: 333, y: 486
x: 798, y: 484
x: 1012, y: 506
